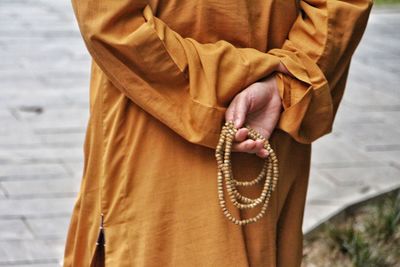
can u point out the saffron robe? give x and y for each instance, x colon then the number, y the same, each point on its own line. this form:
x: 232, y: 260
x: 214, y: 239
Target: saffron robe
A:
x: 163, y: 74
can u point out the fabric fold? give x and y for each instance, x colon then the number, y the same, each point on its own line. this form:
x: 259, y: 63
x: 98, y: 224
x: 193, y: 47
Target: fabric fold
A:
x: 173, y: 77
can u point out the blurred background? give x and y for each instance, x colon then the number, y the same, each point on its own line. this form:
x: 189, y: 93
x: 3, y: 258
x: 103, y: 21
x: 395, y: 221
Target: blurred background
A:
x: 44, y: 81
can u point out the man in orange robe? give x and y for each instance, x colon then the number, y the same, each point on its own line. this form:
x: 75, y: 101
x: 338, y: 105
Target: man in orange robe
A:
x: 164, y: 74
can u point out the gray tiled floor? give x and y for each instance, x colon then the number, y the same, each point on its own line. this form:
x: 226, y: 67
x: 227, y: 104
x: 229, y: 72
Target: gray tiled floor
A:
x: 44, y: 79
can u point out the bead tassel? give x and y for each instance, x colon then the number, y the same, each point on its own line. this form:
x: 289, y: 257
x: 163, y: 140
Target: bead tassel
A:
x: 269, y: 172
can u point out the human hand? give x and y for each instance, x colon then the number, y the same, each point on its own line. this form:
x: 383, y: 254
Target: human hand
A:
x: 259, y: 105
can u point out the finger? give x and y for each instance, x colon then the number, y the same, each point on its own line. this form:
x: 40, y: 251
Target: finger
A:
x: 254, y: 147
x: 244, y: 146
x: 230, y: 111
x: 263, y: 153
x: 258, y: 147
x: 248, y: 146
x: 240, y: 111
x: 241, y: 135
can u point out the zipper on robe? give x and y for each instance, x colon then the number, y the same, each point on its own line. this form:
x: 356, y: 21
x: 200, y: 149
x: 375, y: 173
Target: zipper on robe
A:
x: 99, y: 255
x: 101, y: 239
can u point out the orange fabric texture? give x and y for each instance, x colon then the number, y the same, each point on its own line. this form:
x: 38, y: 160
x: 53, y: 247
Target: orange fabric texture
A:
x: 163, y: 75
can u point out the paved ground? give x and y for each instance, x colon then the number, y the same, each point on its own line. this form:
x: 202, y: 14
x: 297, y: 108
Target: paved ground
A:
x: 361, y: 158
x: 44, y: 107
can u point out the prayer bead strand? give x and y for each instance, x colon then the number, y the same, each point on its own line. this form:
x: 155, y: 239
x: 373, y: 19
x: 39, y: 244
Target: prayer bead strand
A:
x: 269, y: 172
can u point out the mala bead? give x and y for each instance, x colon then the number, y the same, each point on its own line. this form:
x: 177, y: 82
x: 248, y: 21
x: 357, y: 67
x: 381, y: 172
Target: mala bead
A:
x: 269, y: 174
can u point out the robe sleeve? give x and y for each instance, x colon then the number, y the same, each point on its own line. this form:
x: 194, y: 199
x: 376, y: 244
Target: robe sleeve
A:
x: 317, y: 53
x: 184, y: 84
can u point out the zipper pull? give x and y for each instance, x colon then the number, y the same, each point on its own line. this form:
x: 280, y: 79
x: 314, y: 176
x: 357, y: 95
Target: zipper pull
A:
x: 101, y: 239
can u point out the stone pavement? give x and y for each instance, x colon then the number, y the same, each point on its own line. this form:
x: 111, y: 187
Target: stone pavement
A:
x: 44, y: 79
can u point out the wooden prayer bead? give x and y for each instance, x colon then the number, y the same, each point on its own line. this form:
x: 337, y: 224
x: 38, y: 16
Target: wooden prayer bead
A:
x: 269, y: 172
